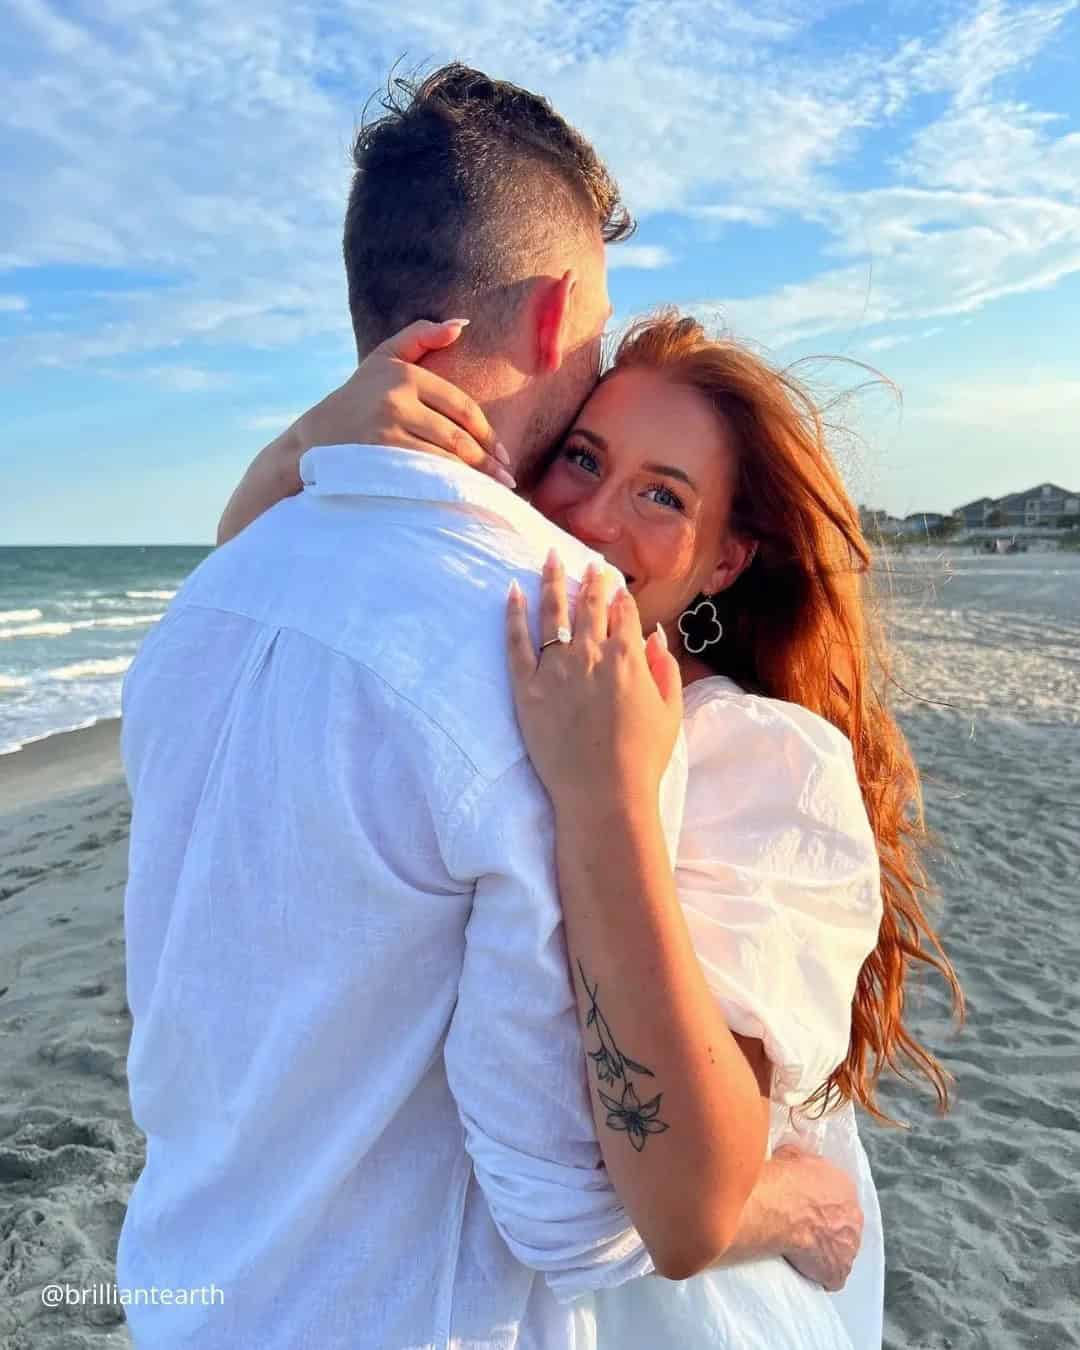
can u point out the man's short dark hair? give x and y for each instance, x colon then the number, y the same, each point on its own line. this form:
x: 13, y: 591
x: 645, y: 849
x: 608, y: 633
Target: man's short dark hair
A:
x: 460, y: 186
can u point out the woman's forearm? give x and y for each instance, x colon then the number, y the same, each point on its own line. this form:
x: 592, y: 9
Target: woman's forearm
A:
x: 679, y: 1115
x: 271, y: 476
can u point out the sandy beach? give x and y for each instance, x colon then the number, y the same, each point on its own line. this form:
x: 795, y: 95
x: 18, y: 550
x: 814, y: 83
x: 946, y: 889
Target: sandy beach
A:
x: 982, y: 1209
x: 68, y: 1150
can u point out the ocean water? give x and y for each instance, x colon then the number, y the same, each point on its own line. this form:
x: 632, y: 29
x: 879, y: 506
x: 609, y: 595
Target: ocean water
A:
x: 71, y: 620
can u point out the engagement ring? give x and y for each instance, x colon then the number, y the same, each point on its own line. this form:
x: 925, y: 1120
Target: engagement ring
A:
x: 562, y: 635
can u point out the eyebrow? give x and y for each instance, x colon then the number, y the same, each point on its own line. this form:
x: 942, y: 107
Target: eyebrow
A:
x: 667, y: 470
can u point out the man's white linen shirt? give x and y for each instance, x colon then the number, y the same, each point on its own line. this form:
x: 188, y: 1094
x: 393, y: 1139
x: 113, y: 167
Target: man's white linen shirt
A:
x: 356, y: 1055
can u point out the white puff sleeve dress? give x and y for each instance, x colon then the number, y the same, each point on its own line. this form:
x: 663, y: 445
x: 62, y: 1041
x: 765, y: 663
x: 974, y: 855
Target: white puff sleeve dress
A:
x: 779, y: 879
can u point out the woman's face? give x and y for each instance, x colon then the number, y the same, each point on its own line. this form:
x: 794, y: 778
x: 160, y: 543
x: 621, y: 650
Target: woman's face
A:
x: 646, y: 477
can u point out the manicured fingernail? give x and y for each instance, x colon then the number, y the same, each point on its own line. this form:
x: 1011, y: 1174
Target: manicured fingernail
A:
x: 506, y: 479
x: 516, y: 596
x: 590, y: 574
x: 661, y: 637
x: 554, y: 562
x: 461, y: 323
x: 501, y: 453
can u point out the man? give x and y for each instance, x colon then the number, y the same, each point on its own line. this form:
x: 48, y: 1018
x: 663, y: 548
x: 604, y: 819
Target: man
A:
x: 355, y: 1054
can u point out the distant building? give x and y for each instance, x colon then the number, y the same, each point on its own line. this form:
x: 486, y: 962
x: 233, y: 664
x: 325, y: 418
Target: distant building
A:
x: 975, y: 515
x: 922, y: 522
x: 876, y: 522
x: 1046, y: 505
x: 1042, y: 505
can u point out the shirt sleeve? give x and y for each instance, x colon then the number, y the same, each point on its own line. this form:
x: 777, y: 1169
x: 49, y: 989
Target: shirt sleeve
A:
x: 779, y: 879
x: 515, y: 1060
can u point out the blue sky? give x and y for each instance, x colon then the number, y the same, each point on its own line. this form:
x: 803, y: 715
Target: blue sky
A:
x: 894, y: 182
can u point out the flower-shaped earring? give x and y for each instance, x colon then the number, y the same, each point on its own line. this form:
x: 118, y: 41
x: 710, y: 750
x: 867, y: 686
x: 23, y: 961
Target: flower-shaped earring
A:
x: 700, y: 627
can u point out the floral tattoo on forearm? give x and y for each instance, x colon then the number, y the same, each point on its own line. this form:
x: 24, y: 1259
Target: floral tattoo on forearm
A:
x: 629, y: 1114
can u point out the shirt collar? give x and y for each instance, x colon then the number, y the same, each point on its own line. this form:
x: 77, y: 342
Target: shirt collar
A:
x: 411, y: 475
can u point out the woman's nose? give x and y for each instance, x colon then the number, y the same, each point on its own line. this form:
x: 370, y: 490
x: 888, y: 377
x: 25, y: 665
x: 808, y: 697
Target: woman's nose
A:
x: 595, y: 518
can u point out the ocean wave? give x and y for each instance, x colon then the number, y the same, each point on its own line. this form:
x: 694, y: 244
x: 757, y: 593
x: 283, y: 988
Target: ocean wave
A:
x: 13, y: 747
x: 119, y: 621
x: 98, y: 602
x: 61, y: 629
x: 150, y: 595
x: 85, y: 670
x: 27, y: 630
x: 19, y: 615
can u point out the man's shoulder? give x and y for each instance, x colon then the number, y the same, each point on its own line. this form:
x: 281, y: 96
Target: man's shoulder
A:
x: 415, y: 598
x: 389, y: 481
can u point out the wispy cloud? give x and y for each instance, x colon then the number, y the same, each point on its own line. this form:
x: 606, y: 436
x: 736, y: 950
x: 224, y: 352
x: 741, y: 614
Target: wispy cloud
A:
x: 886, y: 342
x: 186, y: 379
x: 269, y: 421
x: 985, y: 201
x: 993, y: 39
x: 730, y: 214
x: 644, y: 257
x: 13, y: 304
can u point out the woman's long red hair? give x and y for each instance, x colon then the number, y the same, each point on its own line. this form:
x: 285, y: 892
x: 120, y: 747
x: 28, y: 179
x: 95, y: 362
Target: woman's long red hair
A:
x: 799, y: 625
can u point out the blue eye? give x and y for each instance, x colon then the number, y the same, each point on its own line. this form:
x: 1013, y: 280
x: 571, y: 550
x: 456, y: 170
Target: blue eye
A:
x: 576, y: 454
x: 670, y: 499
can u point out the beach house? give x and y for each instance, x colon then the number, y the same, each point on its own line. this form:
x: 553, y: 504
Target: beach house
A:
x: 922, y: 522
x: 1046, y: 505
x: 975, y: 515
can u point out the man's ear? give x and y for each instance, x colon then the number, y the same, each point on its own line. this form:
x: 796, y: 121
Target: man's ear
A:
x: 737, y: 553
x: 553, y: 321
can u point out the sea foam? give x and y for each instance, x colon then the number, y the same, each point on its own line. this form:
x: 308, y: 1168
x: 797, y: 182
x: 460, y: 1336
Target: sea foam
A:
x: 86, y: 670
x: 61, y: 629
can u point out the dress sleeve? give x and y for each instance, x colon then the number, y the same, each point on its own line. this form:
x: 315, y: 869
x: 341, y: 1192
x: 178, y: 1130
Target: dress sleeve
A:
x: 779, y: 879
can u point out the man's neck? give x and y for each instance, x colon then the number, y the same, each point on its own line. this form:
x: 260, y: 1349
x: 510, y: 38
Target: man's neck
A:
x: 501, y: 393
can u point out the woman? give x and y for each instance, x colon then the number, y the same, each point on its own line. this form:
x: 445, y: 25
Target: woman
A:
x: 703, y: 476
